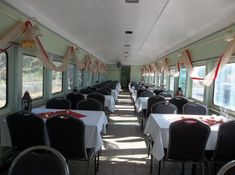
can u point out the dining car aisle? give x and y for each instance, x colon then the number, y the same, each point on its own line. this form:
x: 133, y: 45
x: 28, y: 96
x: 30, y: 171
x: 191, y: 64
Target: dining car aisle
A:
x: 124, y: 151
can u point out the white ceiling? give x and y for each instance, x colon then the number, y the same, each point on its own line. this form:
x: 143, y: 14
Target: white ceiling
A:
x: 159, y: 26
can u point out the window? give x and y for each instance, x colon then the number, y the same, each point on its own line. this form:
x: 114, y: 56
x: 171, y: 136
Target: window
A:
x: 172, y: 81
x: 80, y: 78
x: 165, y: 80
x: 182, y: 79
x: 224, y: 89
x: 32, y: 76
x: 197, y: 88
x: 57, y: 79
x: 3, y: 79
x: 71, y: 77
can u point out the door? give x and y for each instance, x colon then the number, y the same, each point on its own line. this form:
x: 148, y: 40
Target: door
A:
x: 125, y: 76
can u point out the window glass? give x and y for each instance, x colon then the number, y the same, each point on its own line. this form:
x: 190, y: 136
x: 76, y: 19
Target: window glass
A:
x: 182, y: 79
x: 165, y: 80
x: 3, y: 79
x: 197, y: 88
x: 172, y: 82
x: 159, y: 80
x: 71, y: 77
x: 80, y: 78
x: 224, y: 89
x: 57, y: 79
x: 32, y: 76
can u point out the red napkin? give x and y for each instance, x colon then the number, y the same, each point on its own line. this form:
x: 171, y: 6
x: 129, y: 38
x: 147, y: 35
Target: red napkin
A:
x: 51, y: 114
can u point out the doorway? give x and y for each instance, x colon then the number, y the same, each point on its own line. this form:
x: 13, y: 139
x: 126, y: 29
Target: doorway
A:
x: 125, y: 76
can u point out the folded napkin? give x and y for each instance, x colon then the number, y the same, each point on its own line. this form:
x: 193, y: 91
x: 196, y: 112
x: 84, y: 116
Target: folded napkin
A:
x: 67, y: 112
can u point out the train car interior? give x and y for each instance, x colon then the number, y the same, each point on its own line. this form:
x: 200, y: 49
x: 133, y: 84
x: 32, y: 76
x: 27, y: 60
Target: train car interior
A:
x: 109, y: 87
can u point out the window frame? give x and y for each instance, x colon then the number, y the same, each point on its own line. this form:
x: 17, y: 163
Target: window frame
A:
x: 191, y: 86
x: 7, y: 81
x: 186, y: 78
x: 43, y: 78
x: 74, y: 73
x: 62, y: 78
x: 213, y: 105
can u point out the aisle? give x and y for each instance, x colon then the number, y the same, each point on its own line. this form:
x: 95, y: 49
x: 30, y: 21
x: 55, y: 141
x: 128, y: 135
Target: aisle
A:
x: 124, y: 151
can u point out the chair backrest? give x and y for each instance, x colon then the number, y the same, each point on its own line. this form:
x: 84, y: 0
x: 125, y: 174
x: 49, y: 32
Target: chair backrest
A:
x: 90, y: 104
x: 179, y: 102
x: 97, y: 96
x: 187, y: 140
x: 74, y: 98
x: 152, y: 101
x: 139, y: 91
x: 26, y: 129
x: 158, y: 91
x: 108, y: 89
x: 66, y: 134
x: 166, y: 94
x: 39, y: 160
x: 195, y: 109
x: 147, y: 94
x: 103, y: 91
x: 227, y: 169
x: 164, y: 108
x: 86, y: 91
x: 58, y: 103
x: 225, y: 145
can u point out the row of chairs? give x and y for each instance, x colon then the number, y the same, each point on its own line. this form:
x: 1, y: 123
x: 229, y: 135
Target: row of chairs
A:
x: 66, y: 134
x: 176, y: 105
x: 94, y: 101
x: 187, y: 142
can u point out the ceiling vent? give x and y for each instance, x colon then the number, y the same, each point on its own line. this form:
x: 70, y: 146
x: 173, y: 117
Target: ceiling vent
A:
x: 128, y: 32
x: 127, y: 45
x: 132, y: 1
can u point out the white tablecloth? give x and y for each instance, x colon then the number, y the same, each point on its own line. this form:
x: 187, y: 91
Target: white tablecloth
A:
x: 141, y: 103
x: 158, y: 126
x: 114, y: 93
x: 95, y: 124
x: 109, y: 102
x: 134, y: 94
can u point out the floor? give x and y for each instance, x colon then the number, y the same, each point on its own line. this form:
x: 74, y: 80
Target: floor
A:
x: 124, y: 151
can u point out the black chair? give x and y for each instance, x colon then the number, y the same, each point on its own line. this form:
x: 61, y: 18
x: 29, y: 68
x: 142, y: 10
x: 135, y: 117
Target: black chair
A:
x: 166, y: 94
x: 38, y: 160
x: 227, y: 169
x: 195, y: 109
x: 187, y: 142
x: 58, y: 103
x: 147, y: 94
x: 90, y: 104
x: 152, y: 100
x: 26, y: 130
x: 86, y: 91
x: 164, y: 108
x: 179, y: 102
x: 98, y: 97
x: 103, y: 91
x: 139, y: 91
x: 74, y: 98
x: 158, y: 91
x: 67, y: 135
x: 225, y: 146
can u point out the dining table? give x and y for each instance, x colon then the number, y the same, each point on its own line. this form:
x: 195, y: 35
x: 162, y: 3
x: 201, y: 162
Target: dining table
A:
x: 141, y: 103
x: 95, y: 125
x: 157, y: 127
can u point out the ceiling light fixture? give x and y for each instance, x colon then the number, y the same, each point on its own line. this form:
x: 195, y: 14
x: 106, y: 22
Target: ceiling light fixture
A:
x: 125, y: 52
x: 132, y: 1
x: 127, y: 45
